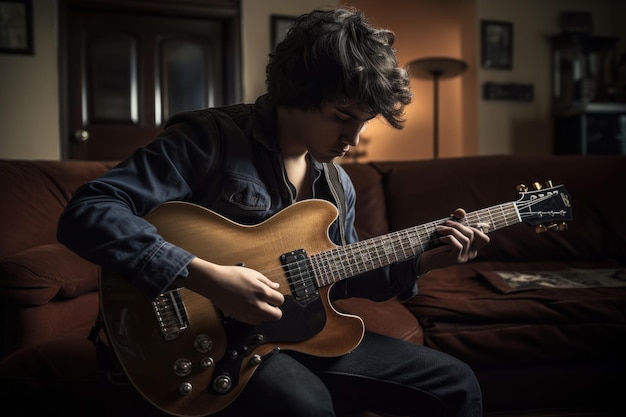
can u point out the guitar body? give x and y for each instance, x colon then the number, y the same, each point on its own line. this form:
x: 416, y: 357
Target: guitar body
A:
x: 180, y: 352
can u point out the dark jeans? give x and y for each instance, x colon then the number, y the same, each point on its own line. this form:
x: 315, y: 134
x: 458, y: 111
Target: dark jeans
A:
x: 381, y: 374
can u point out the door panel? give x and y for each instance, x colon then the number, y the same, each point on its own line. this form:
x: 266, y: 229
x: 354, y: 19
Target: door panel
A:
x: 184, y: 84
x: 182, y: 78
x: 110, y: 93
x: 128, y: 73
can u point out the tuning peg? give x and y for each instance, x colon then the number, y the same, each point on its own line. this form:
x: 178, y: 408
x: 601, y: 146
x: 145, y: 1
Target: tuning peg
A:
x: 537, y: 186
x: 549, y: 184
x: 522, y: 188
x: 541, y: 229
x: 562, y: 226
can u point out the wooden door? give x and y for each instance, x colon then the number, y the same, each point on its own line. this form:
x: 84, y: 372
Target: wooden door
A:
x: 128, y: 72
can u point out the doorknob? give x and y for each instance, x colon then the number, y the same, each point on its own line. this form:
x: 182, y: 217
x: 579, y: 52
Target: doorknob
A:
x: 81, y: 135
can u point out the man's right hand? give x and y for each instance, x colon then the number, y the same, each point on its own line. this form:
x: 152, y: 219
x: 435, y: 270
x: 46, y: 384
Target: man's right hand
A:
x: 239, y: 292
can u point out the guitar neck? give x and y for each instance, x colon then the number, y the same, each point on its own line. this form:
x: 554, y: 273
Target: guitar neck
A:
x: 374, y: 253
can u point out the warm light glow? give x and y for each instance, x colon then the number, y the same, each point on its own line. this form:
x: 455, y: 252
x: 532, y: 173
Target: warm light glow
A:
x: 428, y: 28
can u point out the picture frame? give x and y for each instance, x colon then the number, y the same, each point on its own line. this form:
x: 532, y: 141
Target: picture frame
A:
x: 279, y: 24
x: 16, y: 27
x: 496, y: 44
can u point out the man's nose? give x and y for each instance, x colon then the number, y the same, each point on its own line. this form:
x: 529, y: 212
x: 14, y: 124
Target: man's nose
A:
x: 352, y: 134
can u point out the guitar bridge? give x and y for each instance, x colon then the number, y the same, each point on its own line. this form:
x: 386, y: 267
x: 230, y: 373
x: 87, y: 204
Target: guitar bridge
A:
x: 300, y: 275
x: 170, y: 313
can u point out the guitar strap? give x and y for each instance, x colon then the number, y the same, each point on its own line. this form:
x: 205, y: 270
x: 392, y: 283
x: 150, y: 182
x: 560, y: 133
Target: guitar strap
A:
x: 108, y: 364
x: 332, y: 176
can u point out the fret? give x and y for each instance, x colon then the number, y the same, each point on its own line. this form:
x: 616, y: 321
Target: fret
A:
x: 515, y: 217
x: 356, y: 264
x: 423, y: 238
x: 322, y: 278
x: 501, y: 207
x: 388, y: 248
x: 492, y: 222
x: 430, y: 234
x: 344, y: 263
x: 406, y: 241
x: 366, y: 256
x: 384, y: 240
x: 378, y: 253
x: 366, y: 259
x: 415, y: 241
x: 341, y: 265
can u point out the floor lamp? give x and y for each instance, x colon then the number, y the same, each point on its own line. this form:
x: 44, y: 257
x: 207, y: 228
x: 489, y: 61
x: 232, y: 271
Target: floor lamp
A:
x: 435, y: 69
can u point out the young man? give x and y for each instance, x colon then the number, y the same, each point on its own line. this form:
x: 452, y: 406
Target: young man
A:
x: 329, y: 77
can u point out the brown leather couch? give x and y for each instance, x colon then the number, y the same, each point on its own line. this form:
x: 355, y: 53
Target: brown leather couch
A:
x: 49, y: 301
x: 536, y: 352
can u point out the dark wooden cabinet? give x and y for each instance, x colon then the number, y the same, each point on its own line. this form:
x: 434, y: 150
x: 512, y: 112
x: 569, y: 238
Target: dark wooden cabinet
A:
x: 589, y: 112
x: 599, y: 128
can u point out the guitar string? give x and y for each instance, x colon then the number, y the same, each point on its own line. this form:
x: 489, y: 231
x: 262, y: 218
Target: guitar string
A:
x: 345, y: 267
x: 362, y: 250
x: 322, y: 264
x: 355, y: 259
x: 299, y: 281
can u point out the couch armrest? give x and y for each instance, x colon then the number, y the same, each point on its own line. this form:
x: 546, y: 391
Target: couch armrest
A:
x: 37, y: 275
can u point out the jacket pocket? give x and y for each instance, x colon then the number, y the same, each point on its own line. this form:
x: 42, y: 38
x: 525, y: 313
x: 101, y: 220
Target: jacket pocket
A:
x: 245, y: 194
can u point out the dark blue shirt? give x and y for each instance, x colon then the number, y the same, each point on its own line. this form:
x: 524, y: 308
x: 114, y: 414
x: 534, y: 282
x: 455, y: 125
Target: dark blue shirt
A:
x: 225, y: 159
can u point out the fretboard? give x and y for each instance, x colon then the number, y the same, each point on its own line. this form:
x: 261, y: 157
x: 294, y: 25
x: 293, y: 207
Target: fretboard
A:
x: 370, y: 254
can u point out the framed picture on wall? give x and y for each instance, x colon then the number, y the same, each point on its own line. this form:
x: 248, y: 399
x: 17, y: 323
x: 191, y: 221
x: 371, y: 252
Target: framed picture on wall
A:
x: 16, y: 27
x: 279, y: 25
x: 496, y: 44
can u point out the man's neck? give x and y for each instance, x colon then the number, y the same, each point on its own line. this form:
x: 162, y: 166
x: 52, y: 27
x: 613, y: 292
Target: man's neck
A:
x: 299, y: 174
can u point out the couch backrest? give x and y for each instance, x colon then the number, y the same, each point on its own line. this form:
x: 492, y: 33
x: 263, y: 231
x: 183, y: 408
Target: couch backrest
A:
x: 390, y: 196
x: 32, y: 196
x: 417, y: 192
x: 371, y: 219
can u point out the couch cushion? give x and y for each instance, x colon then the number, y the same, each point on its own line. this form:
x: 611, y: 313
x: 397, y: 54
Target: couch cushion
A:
x: 464, y: 313
x: 37, y: 275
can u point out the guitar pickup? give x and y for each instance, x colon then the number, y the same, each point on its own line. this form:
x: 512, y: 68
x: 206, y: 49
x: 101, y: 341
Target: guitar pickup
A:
x: 300, y: 275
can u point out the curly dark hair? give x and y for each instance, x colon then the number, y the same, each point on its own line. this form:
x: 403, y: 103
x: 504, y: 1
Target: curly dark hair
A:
x: 336, y: 55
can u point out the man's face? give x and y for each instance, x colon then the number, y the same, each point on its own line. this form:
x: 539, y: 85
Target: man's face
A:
x: 328, y: 133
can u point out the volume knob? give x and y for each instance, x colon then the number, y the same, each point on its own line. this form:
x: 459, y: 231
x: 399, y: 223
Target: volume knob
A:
x: 185, y: 388
x: 182, y: 367
x: 222, y: 384
x: 203, y: 343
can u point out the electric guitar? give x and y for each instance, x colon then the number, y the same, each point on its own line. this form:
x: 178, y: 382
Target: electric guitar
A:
x: 189, y: 359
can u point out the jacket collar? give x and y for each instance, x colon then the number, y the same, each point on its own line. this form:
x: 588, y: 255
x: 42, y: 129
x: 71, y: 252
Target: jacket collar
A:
x: 265, y: 130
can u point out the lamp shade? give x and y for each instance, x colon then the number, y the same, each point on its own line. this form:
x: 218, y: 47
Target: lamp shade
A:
x: 437, y: 66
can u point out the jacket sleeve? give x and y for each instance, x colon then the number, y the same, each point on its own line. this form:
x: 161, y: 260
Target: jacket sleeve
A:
x: 103, y: 222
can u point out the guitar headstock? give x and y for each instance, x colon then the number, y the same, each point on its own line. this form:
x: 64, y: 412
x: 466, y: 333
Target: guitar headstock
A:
x: 548, y: 207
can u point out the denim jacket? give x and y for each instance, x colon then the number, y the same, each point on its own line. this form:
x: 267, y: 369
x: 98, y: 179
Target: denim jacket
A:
x: 225, y: 159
